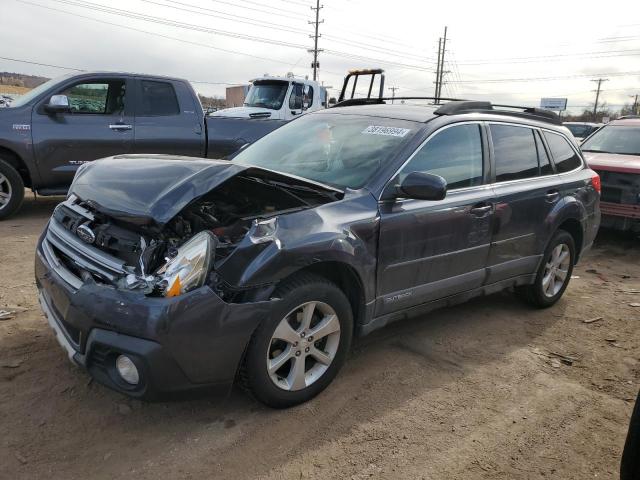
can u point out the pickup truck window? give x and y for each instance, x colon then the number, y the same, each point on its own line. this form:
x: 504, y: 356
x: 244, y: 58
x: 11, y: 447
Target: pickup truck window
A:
x: 454, y: 153
x: 267, y: 94
x: 101, y: 97
x: 515, y: 152
x: 339, y: 150
x: 158, y: 99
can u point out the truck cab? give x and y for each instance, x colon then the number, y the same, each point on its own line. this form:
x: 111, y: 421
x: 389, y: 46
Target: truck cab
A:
x: 279, y: 98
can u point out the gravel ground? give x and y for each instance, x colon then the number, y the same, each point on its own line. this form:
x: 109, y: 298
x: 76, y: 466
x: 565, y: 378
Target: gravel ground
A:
x: 482, y: 390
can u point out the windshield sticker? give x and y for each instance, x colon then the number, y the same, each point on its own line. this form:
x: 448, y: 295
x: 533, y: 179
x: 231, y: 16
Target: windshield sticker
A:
x: 391, y: 131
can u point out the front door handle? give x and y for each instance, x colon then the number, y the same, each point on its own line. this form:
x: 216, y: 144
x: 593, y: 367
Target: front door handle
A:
x: 552, y: 196
x: 120, y: 126
x: 480, y: 210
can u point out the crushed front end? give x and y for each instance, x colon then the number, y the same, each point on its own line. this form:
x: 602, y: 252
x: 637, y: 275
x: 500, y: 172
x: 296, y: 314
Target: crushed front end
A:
x: 115, y: 321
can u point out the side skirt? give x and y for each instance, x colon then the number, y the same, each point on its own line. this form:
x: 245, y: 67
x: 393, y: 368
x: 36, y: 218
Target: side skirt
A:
x: 383, y: 320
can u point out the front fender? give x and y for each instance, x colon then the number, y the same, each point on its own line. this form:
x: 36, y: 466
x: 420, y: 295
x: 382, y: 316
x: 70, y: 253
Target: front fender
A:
x: 343, y: 232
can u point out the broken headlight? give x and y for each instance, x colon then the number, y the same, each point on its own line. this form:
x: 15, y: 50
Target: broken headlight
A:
x: 189, y: 268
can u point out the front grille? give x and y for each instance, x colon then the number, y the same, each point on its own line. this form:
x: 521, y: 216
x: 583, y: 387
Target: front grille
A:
x: 70, y: 257
x: 620, y: 187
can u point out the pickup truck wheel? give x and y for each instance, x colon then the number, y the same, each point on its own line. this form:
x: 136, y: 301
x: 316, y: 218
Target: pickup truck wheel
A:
x: 554, y: 273
x: 296, y: 353
x: 11, y: 190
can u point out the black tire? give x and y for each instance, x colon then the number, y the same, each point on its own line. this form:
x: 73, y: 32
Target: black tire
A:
x: 294, y: 292
x: 10, y: 184
x: 534, y: 294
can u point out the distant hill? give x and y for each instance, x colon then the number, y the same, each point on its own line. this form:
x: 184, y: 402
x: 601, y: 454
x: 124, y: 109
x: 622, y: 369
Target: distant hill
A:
x: 21, y: 80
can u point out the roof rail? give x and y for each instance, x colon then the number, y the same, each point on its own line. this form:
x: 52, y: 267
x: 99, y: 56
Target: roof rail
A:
x: 626, y: 117
x: 457, y: 107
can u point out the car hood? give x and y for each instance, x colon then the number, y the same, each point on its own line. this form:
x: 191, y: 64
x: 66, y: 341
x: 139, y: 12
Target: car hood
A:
x: 244, y: 112
x: 613, y: 162
x: 149, y: 190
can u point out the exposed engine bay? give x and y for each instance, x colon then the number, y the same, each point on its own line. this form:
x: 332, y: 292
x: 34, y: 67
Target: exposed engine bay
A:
x: 221, y: 219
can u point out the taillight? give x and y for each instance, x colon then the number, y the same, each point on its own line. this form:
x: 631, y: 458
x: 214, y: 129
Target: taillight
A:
x: 595, y: 182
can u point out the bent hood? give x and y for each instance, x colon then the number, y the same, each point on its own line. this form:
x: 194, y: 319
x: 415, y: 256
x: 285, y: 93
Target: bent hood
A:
x: 148, y: 190
x: 613, y: 162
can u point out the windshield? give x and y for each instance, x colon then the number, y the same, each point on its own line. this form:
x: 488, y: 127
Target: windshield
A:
x: 267, y: 94
x: 30, y: 95
x: 579, y: 130
x: 339, y: 150
x: 615, y: 139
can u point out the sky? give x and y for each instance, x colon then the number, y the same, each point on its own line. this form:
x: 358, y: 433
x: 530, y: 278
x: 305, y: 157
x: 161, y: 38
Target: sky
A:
x: 511, y: 52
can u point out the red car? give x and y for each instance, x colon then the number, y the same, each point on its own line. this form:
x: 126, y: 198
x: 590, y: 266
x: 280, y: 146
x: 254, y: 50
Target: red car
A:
x: 614, y: 152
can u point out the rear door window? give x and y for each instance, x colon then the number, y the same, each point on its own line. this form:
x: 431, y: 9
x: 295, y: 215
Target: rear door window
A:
x: 158, y: 99
x: 454, y: 153
x: 515, y: 153
x: 564, y: 156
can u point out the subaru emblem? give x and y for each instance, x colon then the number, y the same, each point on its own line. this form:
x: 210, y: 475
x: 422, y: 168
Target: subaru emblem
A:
x: 85, y: 234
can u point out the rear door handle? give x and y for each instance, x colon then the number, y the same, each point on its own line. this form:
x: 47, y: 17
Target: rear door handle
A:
x: 120, y: 126
x: 480, y: 210
x: 552, y: 195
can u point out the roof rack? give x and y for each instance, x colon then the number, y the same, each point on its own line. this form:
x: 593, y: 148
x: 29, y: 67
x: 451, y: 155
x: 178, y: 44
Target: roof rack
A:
x: 468, y: 106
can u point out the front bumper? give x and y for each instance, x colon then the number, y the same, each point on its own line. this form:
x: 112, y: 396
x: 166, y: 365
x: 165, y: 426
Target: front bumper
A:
x: 195, y: 340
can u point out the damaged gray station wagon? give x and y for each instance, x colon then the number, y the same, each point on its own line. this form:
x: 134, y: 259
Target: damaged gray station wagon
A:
x: 162, y: 274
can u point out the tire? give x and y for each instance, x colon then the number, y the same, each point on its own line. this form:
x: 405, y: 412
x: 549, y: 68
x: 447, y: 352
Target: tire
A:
x: 299, y: 295
x: 11, y: 190
x: 541, y: 293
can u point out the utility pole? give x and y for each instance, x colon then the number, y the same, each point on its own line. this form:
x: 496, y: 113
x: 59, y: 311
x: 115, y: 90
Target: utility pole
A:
x: 595, y: 105
x: 315, y: 65
x: 442, y: 48
x: 438, y: 69
x: 393, y: 93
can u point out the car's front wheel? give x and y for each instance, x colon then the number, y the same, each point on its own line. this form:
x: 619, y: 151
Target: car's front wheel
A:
x: 297, y: 352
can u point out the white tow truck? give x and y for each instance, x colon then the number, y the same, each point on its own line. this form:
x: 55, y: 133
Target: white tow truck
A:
x: 279, y: 98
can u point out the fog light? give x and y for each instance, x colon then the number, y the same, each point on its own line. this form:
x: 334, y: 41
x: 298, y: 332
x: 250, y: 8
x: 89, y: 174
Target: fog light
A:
x: 127, y: 370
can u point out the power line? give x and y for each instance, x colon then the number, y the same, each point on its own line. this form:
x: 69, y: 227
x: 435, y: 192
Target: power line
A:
x: 176, y: 24
x: 30, y: 62
x: 532, y: 79
x: 560, y: 56
x: 168, y: 37
x: 41, y: 64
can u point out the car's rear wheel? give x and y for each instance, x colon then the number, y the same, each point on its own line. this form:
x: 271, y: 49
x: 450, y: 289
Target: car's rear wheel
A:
x: 11, y: 190
x: 297, y: 352
x: 554, y: 273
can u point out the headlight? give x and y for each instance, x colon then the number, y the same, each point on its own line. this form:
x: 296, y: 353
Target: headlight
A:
x: 189, y: 268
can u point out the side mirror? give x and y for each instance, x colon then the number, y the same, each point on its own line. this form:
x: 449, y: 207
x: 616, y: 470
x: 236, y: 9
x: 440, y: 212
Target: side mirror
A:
x: 58, y: 104
x: 422, y: 186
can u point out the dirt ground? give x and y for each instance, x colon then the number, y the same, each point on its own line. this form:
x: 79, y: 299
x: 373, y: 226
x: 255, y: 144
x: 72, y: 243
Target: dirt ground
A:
x: 471, y: 392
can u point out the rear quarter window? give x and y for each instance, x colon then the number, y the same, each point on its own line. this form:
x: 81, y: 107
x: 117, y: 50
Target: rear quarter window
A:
x: 564, y: 156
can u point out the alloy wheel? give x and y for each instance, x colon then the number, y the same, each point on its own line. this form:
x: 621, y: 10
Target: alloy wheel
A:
x: 303, y: 346
x: 556, y: 270
x: 5, y: 191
